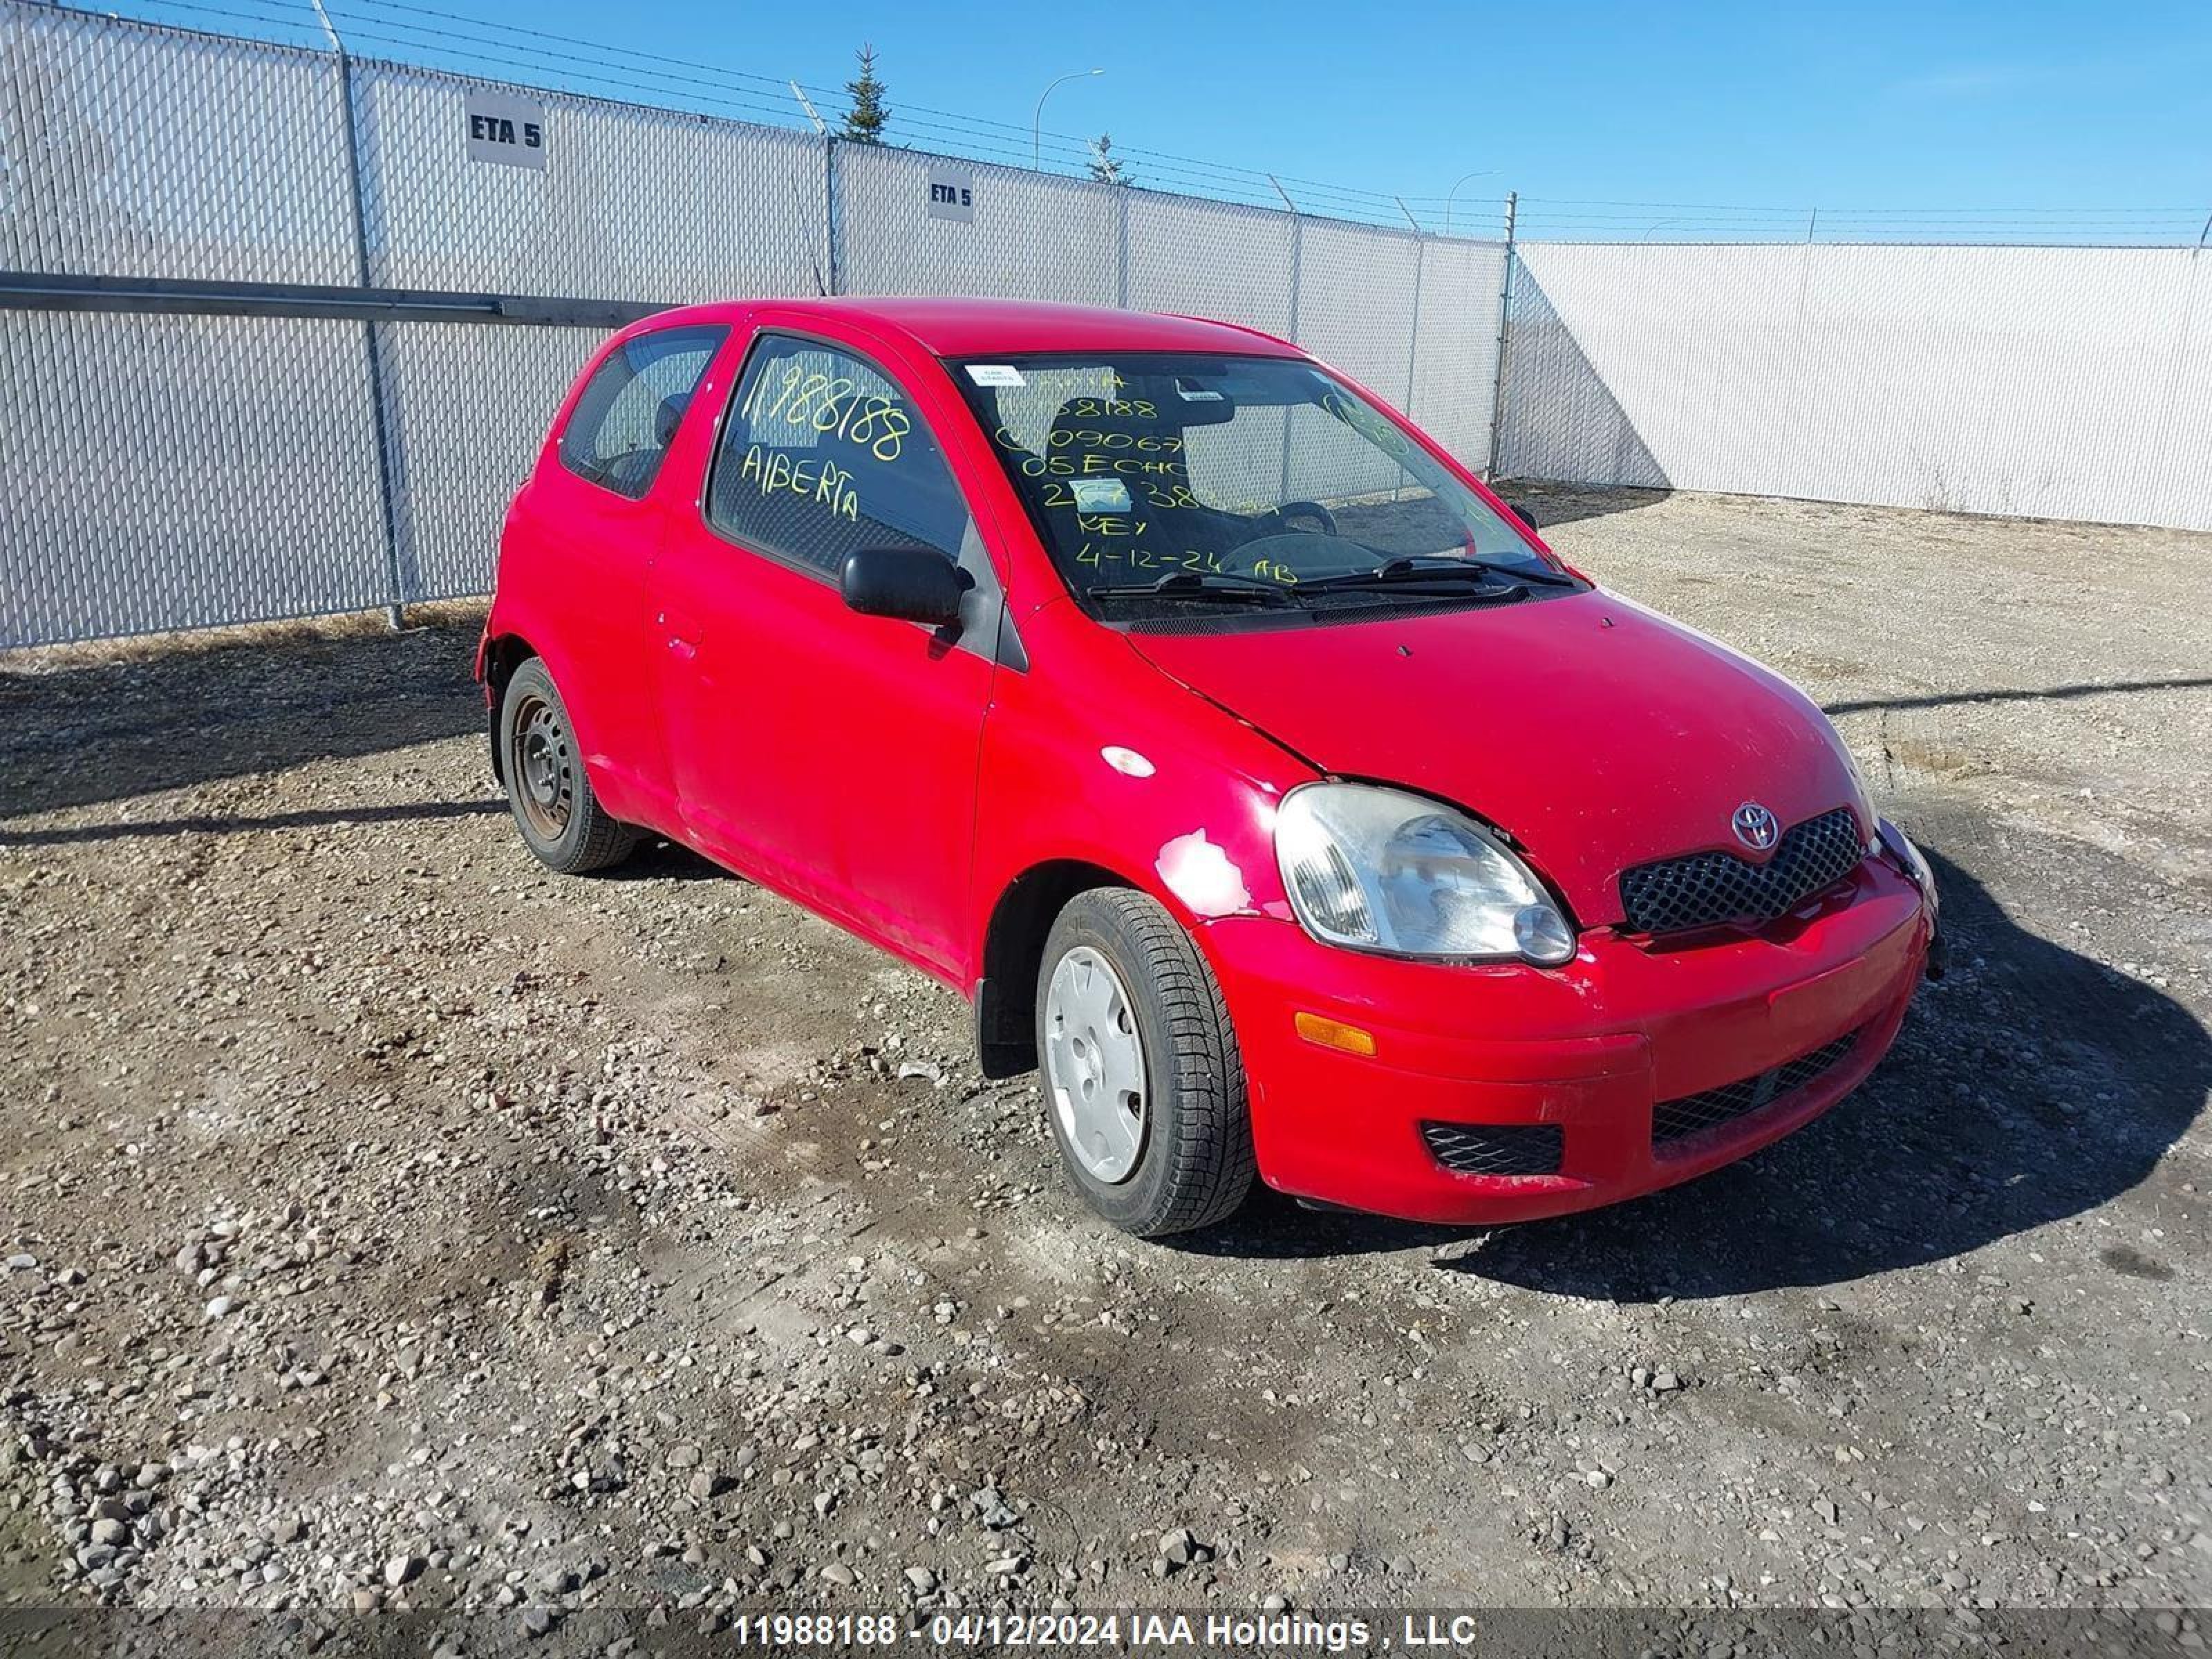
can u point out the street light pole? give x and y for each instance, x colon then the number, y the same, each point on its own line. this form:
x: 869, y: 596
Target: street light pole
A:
x: 1470, y: 178
x: 1037, y: 125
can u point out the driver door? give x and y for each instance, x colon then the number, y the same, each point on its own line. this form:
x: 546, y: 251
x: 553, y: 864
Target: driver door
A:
x: 832, y: 754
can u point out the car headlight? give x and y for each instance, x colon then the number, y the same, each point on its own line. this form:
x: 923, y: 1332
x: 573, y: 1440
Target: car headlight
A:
x: 1383, y: 869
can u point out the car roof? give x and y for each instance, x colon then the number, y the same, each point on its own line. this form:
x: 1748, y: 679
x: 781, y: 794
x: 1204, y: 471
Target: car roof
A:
x: 970, y: 328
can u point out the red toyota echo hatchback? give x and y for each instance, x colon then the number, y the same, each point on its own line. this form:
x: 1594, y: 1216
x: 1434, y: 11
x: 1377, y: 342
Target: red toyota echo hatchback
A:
x: 1255, y: 773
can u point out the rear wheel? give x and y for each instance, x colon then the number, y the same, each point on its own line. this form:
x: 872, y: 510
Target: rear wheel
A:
x: 561, y: 819
x: 1142, y: 1079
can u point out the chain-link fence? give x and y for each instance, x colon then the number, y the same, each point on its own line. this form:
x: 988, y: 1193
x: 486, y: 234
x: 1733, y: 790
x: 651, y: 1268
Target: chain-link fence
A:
x: 179, y: 470
x: 278, y: 337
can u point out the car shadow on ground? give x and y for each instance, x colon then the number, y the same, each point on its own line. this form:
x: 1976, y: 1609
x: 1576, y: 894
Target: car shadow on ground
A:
x: 249, y: 824
x: 2022, y: 694
x: 2031, y: 1084
x: 81, y: 733
x: 660, y: 859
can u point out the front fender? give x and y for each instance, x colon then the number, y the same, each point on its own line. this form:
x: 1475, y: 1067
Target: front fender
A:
x: 1094, y: 757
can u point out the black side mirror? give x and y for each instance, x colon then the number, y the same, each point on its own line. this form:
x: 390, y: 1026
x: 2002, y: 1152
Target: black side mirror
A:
x: 910, y: 583
x: 1525, y: 514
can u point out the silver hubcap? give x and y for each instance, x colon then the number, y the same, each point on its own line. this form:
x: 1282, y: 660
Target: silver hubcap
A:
x: 1095, y: 1065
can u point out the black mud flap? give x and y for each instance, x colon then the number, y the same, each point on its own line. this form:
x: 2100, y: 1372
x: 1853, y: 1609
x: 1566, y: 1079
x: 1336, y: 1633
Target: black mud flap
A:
x: 1005, y: 1045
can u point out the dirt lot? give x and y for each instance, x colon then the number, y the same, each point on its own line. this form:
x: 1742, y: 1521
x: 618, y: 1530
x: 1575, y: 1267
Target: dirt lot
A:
x: 389, y: 1222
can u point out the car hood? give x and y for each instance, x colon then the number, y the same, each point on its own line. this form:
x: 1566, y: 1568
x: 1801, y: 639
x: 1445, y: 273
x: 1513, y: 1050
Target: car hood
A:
x: 1598, y: 734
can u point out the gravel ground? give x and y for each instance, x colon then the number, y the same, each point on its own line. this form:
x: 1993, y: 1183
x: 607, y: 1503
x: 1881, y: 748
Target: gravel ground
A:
x: 388, y: 1222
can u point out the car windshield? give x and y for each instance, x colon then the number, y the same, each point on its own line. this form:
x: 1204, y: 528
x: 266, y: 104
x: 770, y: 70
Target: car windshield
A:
x: 1165, y: 480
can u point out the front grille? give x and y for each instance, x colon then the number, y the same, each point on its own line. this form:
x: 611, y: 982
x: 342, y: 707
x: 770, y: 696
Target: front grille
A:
x: 1495, y: 1149
x: 1678, y: 1120
x: 1706, y: 889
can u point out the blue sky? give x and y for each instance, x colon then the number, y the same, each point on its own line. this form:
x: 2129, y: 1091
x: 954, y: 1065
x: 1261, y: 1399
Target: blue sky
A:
x: 1895, y: 107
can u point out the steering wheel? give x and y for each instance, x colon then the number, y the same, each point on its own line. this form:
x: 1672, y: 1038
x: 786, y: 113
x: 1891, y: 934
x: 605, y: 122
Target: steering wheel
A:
x: 1312, y: 510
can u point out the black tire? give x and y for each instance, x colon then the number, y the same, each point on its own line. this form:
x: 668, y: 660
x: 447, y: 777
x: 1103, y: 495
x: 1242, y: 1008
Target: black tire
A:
x: 1196, y: 1165
x: 547, y: 789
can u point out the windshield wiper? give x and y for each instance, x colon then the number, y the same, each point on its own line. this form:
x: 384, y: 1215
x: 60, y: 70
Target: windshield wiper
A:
x: 1199, y: 585
x: 1430, y: 568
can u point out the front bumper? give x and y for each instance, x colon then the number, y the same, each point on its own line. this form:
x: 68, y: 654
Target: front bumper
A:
x: 1591, y: 1048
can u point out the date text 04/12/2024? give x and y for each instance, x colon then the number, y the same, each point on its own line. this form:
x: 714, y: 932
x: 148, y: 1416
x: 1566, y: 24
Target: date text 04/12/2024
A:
x: 1132, y: 1632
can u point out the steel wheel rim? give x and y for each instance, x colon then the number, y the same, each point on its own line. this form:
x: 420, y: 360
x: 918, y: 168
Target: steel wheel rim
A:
x: 1095, y: 1065
x: 543, y: 766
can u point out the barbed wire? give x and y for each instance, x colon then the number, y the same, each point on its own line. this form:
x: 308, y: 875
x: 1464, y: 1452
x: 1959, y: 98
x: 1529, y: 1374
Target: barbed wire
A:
x: 489, y: 48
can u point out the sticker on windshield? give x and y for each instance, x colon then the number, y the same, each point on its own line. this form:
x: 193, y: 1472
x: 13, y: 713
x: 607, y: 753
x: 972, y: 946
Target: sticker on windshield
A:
x: 994, y: 374
x: 1099, y: 495
x: 1196, y: 394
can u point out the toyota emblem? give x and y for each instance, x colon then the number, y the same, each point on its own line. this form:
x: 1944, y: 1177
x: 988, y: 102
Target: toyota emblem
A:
x: 1755, y: 827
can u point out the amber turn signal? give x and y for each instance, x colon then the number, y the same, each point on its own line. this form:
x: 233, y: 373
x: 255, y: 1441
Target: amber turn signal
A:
x: 1336, y: 1034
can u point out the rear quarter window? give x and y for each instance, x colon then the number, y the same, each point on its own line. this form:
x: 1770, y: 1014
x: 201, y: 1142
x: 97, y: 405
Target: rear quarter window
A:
x: 619, y: 432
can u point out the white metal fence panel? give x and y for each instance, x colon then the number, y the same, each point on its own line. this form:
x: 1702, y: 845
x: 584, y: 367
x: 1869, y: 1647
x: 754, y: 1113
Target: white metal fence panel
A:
x: 1210, y: 260
x: 467, y: 408
x: 2181, y: 486
x: 2012, y: 380
x: 2046, y: 382
x: 1358, y: 300
x: 1030, y: 236
x: 166, y: 472
x: 1455, y: 345
x: 133, y: 152
x: 1616, y: 361
x: 632, y: 203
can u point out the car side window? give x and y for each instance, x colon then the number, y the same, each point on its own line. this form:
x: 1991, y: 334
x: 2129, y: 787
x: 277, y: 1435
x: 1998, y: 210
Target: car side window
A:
x: 627, y: 418
x: 822, y: 455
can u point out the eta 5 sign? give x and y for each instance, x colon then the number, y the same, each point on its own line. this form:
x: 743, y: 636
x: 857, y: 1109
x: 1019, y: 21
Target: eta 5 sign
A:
x: 506, y: 129
x: 951, y: 195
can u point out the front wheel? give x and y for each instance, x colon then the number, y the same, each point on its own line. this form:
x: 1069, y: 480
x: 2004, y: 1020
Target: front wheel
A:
x: 1142, y: 1079
x: 561, y: 819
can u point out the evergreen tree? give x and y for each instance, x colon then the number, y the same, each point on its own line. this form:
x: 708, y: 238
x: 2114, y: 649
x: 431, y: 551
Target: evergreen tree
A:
x: 866, y: 120
x: 1106, y: 167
